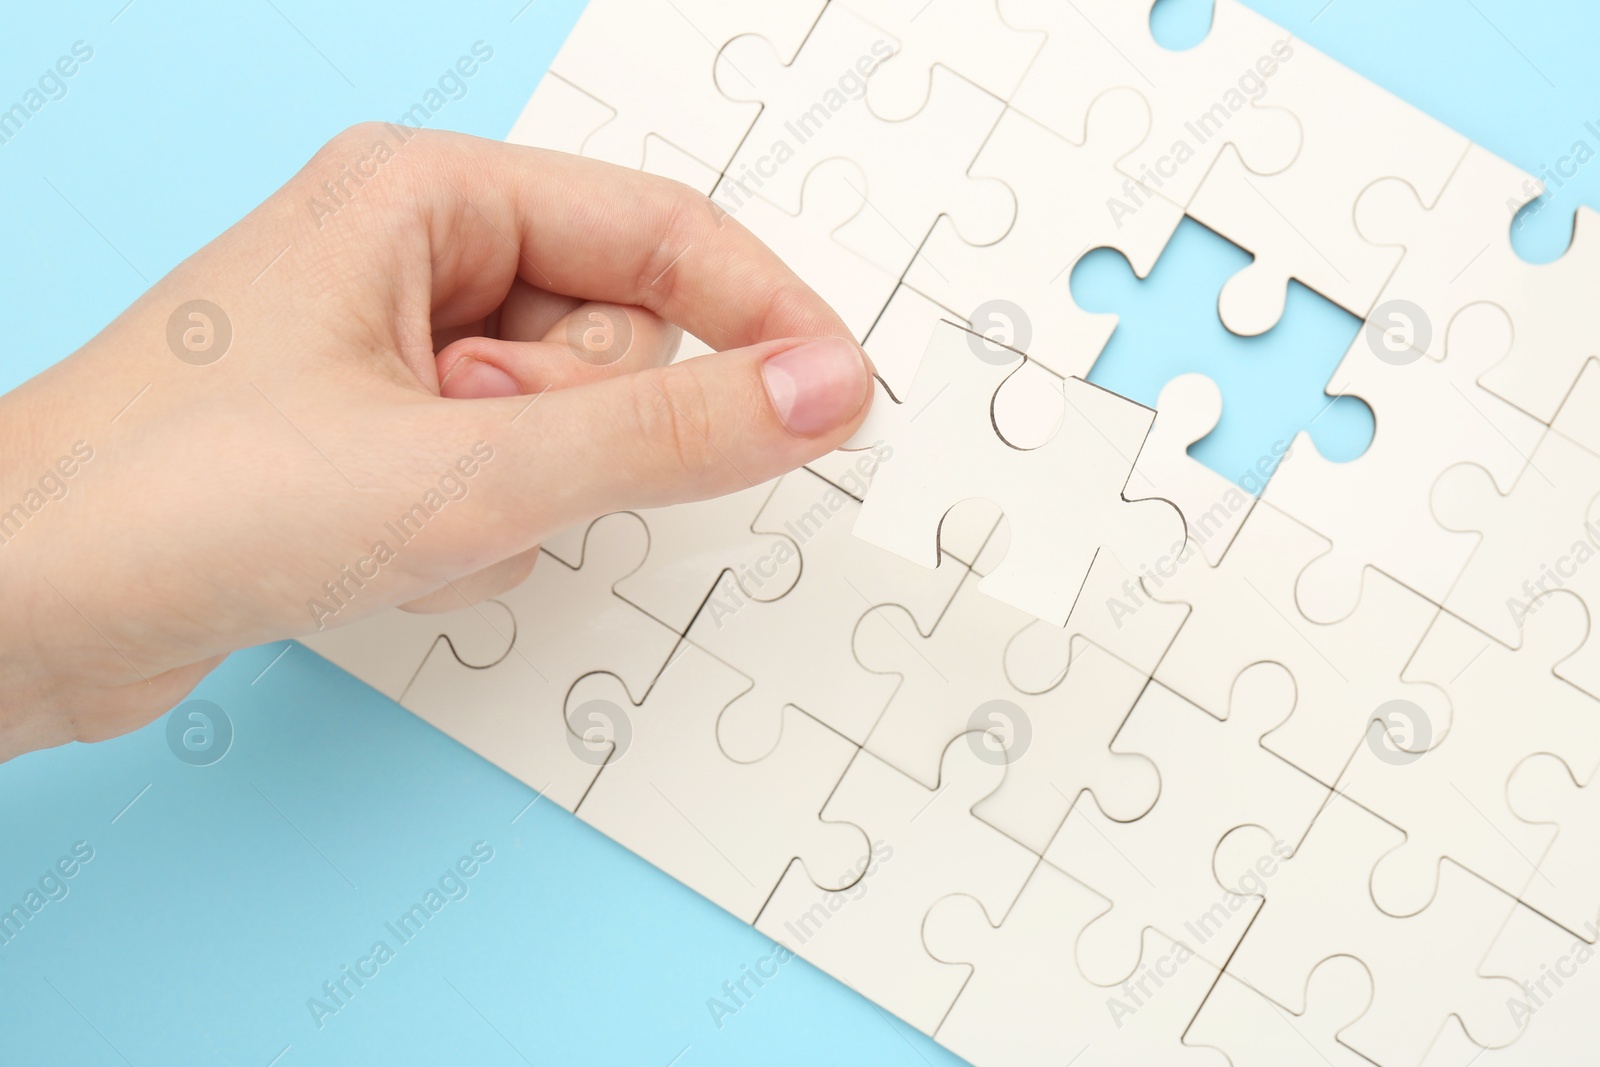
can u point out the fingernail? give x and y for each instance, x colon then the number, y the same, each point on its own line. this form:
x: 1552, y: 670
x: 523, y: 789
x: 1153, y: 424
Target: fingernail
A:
x: 472, y: 379
x: 816, y: 386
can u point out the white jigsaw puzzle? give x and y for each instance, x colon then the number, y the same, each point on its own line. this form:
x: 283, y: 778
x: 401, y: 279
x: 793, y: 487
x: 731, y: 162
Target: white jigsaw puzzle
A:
x: 1012, y: 715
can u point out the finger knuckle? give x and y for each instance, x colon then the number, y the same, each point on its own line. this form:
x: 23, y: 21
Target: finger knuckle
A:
x: 672, y: 409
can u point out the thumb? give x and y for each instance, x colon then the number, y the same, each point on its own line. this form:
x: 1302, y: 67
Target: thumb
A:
x: 700, y: 428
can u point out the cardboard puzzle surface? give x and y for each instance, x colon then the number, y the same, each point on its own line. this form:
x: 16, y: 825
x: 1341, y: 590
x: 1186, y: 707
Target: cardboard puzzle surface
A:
x: 1015, y: 717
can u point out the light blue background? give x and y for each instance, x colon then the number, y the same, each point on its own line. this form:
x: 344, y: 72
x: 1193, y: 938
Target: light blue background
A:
x: 225, y: 895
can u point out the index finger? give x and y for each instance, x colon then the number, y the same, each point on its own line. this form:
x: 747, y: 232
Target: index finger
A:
x: 491, y: 211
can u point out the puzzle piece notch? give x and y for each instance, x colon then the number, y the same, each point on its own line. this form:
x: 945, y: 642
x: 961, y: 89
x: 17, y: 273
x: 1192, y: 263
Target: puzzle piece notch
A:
x: 1213, y: 507
x: 1064, y: 500
x: 620, y: 46
x: 916, y: 169
x: 568, y: 624
x: 1159, y: 870
x: 1424, y: 967
x: 1429, y: 414
x: 1245, y: 611
x: 1554, y: 1009
x: 730, y: 830
x: 1051, y: 1013
x: 970, y: 39
x: 388, y: 649
x: 1168, y: 328
x: 1054, y: 745
x: 1458, y: 252
x: 1095, y: 45
x: 1299, y: 222
x: 1254, y: 1032
x: 1020, y: 284
x: 798, y: 649
x: 832, y: 194
x: 692, y: 545
x: 1451, y: 796
x: 1544, y: 791
x: 1540, y: 537
x: 927, y: 845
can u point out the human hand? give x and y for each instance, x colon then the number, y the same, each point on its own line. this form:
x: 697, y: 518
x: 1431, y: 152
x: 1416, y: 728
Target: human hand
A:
x: 417, y: 361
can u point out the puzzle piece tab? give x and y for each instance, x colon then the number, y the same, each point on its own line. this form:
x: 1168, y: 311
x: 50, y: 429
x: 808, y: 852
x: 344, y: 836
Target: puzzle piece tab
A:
x: 1447, y: 787
x: 1020, y: 283
x: 1026, y: 1004
x: 1424, y: 967
x: 1063, y: 500
x: 1245, y: 611
x: 926, y: 844
x: 674, y: 796
x: 1201, y: 100
x: 1157, y: 870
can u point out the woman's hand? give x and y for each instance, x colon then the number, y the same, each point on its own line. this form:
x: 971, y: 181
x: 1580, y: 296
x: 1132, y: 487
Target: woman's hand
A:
x: 385, y: 386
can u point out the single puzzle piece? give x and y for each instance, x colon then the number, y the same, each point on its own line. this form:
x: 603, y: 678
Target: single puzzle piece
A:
x: 1213, y: 507
x: 1458, y: 252
x: 1429, y: 415
x: 1244, y: 611
x: 916, y: 170
x: 1299, y: 222
x: 633, y: 56
x: 1026, y: 1004
x: 1019, y: 284
x: 1554, y: 1009
x: 1254, y: 1032
x: 833, y: 194
x: 1158, y: 870
x: 1539, y: 537
x: 970, y: 39
x: 1544, y: 791
x: 386, y: 650
x: 1055, y: 744
x: 925, y: 845
x: 728, y: 830
x: 1063, y: 500
x: 569, y: 624
x: 1424, y: 967
x: 1168, y: 327
x: 1446, y: 787
x: 798, y: 649
x: 1201, y: 100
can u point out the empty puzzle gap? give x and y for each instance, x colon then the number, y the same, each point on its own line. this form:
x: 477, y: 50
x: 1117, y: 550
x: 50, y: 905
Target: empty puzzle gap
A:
x: 1273, y: 385
x: 1179, y: 25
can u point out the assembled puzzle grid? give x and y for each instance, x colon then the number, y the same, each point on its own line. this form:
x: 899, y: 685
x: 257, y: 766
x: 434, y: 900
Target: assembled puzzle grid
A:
x: 1016, y: 718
